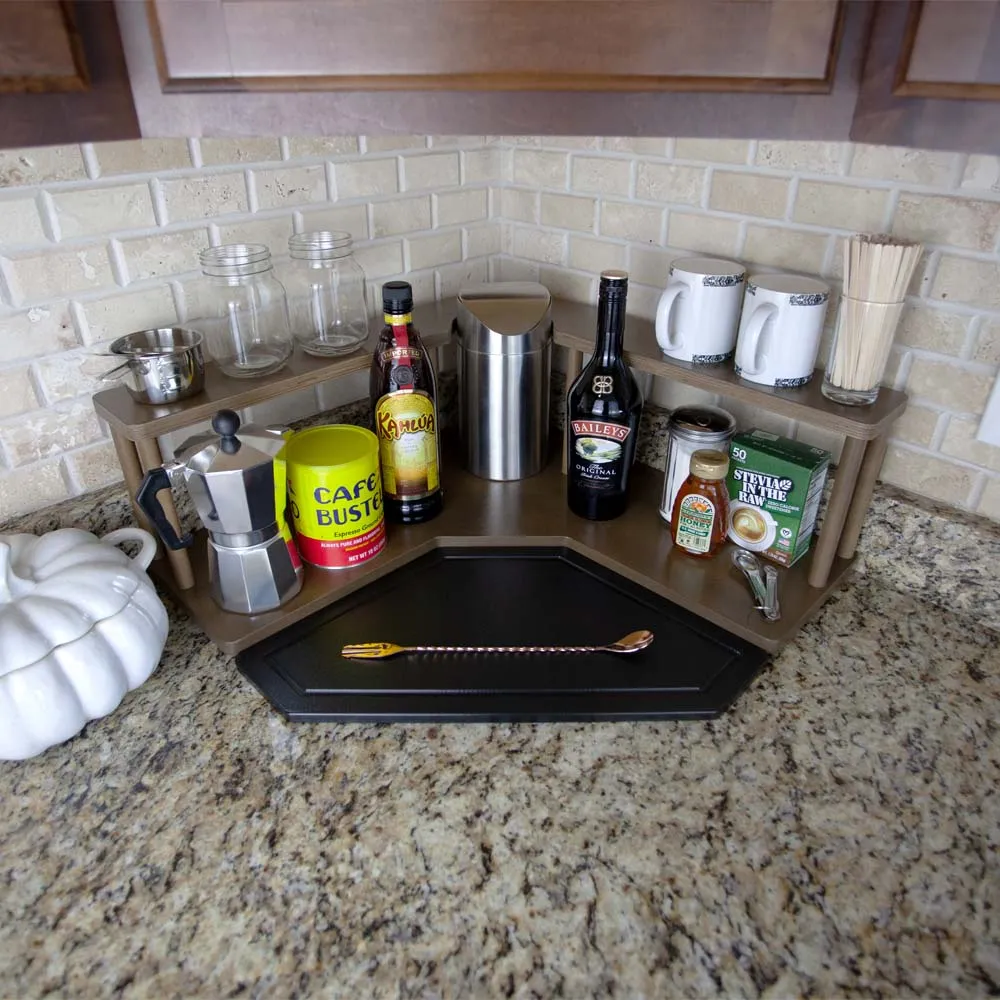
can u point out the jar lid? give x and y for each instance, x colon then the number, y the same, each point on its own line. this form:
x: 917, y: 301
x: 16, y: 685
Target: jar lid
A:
x: 703, y: 419
x: 707, y: 464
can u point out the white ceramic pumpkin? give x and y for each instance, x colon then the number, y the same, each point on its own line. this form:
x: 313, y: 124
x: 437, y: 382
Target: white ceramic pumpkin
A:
x: 80, y: 625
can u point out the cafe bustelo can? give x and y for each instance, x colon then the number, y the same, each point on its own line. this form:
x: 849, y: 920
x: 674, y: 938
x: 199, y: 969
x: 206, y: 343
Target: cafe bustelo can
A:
x: 335, y: 495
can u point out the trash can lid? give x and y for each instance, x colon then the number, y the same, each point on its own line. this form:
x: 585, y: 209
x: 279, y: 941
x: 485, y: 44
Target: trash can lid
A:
x: 504, y: 317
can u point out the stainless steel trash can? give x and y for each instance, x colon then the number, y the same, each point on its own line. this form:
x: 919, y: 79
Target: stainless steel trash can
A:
x: 504, y: 333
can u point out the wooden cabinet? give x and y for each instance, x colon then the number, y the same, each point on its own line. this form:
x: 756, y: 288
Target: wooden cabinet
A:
x: 932, y: 76
x: 545, y: 45
x: 62, y: 74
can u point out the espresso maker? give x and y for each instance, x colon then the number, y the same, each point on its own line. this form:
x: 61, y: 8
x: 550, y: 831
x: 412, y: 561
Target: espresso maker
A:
x: 239, y: 493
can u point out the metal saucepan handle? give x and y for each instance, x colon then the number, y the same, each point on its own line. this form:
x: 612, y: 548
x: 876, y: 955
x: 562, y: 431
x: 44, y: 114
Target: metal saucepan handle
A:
x: 115, y: 374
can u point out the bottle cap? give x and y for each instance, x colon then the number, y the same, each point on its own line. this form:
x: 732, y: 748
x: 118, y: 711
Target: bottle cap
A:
x: 397, y: 297
x: 707, y: 464
x: 614, y: 280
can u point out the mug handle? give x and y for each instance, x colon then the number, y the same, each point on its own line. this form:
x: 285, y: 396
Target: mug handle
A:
x: 663, y: 310
x: 749, y: 342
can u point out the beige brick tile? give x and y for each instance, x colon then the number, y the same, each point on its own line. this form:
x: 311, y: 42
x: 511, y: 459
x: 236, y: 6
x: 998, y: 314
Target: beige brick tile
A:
x: 649, y: 265
x: 820, y: 438
x: 435, y: 170
x: 638, y: 223
x: 703, y: 233
x: 958, y: 222
x: 982, y: 173
x: 801, y: 157
x: 66, y: 376
x: 96, y: 211
x: 430, y: 251
x: 522, y: 140
x: 351, y: 219
x: 713, y: 150
x: 141, y: 156
x: 272, y: 233
x: 546, y: 248
x: 365, y: 178
x: 568, y: 211
x: 316, y: 145
x: 455, y: 207
x: 20, y: 222
x: 641, y: 147
x: 43, y: 433
x: 897, y: 163
x: 669, y: 182
x: 96, y: 466
x: 600, y: 175
x: 26, y: 490
x: 916, y: 425
x: 989, y: 502
x: 567, y: 284
x: 382, y: 260
x: 482, y: 165
x: 960, y: 442
x: 932, y: 330
x: 596, y: 255
x: 116, y: 315
x: 519, y: 205
x: 948, y: 385
x: 482, y: 240
x: 936, y: 478
x: 163, y: 254
x: 974, y: 282
x: 793, y: 249
x: 454, y: 277
x: 450, y: 141
x: 48, y: 274
x: 840, y: 206
x: 510, y: 269
x: 40, y: 164
x: 36, y: 332
x: 16, y: 392
x: 749, y: 194
x: 193, y: 199
x: 385, y: 143
x: 987, y: 347
x: 540, y: 169
x: 216, y: 152
x: 573, y: 141
x: 403, y: 215
x: 290, y: 186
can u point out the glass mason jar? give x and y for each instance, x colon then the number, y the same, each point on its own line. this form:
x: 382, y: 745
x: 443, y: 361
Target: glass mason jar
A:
x: 326, y: 294
x: 240, y: 307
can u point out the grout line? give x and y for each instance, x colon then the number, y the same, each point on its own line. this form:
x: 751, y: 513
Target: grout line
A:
x: 976, y: 491
x: 119, y: 268
x: 940, y: 430
x: 284, y: 148
x: 50, y: 219
x: 890, y: 210
x: 159, y: 202
x: 194, y: 151
x: 250, y: 182
x: 793, y: 194
x: 90, y: 162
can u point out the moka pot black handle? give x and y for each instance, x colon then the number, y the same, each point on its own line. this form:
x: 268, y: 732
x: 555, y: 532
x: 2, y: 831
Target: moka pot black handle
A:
x: 149, y: 503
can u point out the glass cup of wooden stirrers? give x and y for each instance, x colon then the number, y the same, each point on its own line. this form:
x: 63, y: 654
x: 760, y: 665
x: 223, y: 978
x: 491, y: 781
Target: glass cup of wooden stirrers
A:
x: 860, y: 350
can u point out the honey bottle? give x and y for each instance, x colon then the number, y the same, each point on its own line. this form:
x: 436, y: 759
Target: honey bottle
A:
x: 700, y: 516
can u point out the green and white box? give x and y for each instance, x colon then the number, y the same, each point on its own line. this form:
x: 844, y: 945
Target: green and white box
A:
x: 775, y: 486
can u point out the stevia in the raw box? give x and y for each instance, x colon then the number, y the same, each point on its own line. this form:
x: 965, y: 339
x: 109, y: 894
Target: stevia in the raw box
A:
x: 775, y: 486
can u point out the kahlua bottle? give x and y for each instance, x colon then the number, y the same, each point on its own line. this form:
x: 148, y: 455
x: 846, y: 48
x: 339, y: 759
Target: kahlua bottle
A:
x: 404, y: 408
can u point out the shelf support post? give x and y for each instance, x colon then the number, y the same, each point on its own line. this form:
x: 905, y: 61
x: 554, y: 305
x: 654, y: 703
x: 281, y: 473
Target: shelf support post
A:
x: 836, y: 512
x: 858, y: 510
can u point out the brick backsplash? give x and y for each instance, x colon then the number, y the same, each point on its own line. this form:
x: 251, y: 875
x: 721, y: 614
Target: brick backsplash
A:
x: 98, y: 240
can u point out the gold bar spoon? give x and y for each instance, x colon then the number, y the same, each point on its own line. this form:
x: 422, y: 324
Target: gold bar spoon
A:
x: 630, y: 643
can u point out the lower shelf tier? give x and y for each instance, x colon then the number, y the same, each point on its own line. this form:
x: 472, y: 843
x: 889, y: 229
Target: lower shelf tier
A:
x: 533, y: 511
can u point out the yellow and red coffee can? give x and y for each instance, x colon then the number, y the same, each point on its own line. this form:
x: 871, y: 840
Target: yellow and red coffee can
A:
x: 335, y: 495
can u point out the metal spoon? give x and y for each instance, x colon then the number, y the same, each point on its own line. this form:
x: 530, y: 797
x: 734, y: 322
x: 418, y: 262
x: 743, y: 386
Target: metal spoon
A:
x: 750, y: 565
x: 630, y: 643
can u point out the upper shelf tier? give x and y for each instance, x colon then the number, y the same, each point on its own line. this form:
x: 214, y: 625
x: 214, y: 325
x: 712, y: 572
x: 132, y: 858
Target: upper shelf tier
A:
x: 575, y: 325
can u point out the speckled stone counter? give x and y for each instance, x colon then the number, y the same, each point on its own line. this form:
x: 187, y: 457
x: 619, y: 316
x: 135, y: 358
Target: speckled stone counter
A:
x: 834, y: 834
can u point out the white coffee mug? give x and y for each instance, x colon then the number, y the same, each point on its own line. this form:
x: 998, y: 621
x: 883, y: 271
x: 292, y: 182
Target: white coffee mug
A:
x: 781, y: 328
x: 699, y: 310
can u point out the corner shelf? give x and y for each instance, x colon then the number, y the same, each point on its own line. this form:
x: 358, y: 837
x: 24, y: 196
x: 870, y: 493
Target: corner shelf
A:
x: 534, y: 511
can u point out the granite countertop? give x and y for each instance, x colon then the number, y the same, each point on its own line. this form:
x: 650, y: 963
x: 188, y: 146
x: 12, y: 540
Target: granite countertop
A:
x: 834, y: 834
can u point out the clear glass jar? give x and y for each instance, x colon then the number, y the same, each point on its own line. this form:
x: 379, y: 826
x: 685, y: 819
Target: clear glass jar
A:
x: 326, y: 294
x: 241, y: 308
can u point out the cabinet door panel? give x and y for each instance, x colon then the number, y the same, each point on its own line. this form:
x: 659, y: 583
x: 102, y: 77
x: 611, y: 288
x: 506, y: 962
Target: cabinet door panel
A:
x: 932, y: 76
x: 40, y: 50
x: 761, y: 45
